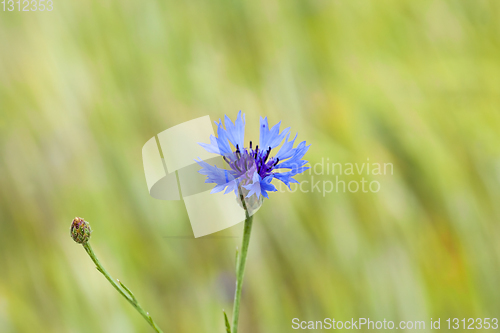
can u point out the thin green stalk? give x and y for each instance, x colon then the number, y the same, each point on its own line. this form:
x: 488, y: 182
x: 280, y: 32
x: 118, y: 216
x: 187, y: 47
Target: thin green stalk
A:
x: 120, y: 287
x: 240, y: 266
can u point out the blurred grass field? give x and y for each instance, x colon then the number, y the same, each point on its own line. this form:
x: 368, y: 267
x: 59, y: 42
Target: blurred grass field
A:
x: 413, y: 83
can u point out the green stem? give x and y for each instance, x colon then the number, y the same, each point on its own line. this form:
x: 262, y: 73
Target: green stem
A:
x: 120, y: 287
x: 240, y: 267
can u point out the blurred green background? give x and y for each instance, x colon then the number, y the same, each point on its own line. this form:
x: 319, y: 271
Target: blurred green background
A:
x: 413, y: 83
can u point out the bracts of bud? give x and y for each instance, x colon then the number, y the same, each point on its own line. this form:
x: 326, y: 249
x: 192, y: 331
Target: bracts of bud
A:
x: 80, y: 230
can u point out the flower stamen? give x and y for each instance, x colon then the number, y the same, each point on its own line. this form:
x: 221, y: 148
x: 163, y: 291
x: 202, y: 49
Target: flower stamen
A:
x: 267, y: 154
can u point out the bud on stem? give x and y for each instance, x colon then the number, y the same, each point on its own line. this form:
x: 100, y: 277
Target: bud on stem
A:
x: 80, y: 230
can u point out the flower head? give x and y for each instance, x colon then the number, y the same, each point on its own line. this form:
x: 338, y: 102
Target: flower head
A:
x: 251, y: 169
x: 80, y: 230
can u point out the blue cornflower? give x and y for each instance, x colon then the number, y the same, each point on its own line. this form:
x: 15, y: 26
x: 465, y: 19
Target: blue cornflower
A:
x: 253, y: 168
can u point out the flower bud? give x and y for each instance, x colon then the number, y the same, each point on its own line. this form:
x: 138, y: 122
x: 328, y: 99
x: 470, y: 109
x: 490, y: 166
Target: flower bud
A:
x: 80, y: 230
